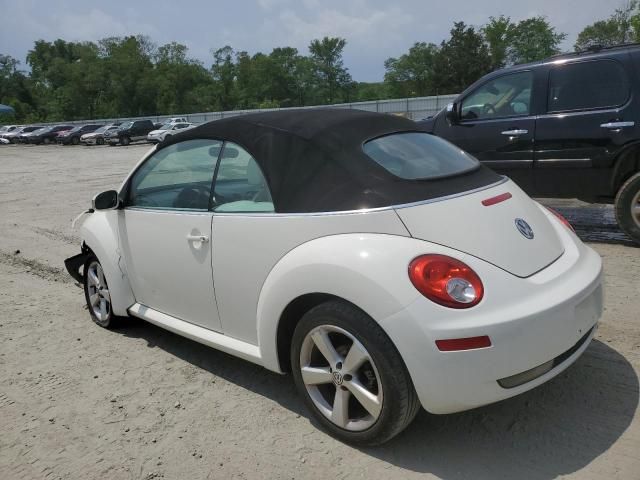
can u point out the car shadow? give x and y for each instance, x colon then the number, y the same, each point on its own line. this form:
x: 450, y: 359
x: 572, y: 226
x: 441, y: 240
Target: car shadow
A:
x: 553, y: 430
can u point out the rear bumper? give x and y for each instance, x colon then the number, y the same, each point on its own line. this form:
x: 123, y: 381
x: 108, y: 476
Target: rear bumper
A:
x: 538, y: 327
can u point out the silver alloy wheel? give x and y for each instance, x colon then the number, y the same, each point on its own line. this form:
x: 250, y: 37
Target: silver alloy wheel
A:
x: 341, y: 378
x: 635, y: 209
x: 98, y: 292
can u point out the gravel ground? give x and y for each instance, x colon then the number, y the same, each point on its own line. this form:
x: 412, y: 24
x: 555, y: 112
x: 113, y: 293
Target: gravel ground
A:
x: 77, y: 401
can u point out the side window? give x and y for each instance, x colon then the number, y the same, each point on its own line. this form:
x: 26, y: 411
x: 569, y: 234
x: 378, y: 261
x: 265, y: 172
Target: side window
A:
x: 506, y: 96
x: 176, y: 177
x: 587, y: 85
x: 240, y: 186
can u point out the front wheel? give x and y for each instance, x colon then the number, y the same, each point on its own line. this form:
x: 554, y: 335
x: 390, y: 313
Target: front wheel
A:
x: 96, y: 293
x: 125, y: 141
x: 351, y: 376
x: 628, y: 207
x: 100, y: 141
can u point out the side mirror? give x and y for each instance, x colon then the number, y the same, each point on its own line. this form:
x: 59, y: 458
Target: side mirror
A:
x: 452, y: 113
x: 105, y: 201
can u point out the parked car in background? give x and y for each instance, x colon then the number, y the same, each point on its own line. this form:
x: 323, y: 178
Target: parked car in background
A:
x: 97, y: 136
x: 166, y: 130
x: 4, y: 141
x: 568, y: 126
x: 72, y: 137
x: 46, y: 135
x: 175, y: 120
x: 8, y: 129
x: 383, y: 267
x: 13, y: 136
x: 132, y: 131
x: 23, y: 137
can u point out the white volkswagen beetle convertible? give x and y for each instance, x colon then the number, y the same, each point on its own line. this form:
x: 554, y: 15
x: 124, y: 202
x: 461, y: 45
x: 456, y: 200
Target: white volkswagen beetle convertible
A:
x: 383, y: 267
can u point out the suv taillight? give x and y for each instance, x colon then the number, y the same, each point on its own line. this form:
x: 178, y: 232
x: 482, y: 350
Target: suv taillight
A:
x: 446, y: 281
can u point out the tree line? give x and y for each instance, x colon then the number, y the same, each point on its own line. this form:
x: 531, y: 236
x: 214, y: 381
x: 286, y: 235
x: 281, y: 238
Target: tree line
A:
x: 132, y: 76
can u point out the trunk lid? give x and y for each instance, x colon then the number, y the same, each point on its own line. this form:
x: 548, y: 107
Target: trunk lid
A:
x: 489, y: 232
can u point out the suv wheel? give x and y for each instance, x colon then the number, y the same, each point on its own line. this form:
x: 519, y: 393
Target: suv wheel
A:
x: 628, y: 207
x: 351, y: 376
x: 125, y: 141
x: 75, y: 140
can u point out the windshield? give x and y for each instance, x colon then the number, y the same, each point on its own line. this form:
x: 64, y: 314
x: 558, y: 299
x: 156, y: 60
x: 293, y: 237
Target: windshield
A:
x: 419, y: 156
x: 166, y: 126
x: 125, y: 125
x: 43, y: 130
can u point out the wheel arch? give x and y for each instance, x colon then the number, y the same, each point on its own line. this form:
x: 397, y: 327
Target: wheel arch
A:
x: 353, y: 268
x: 626, y: 165
x: 99, y: 233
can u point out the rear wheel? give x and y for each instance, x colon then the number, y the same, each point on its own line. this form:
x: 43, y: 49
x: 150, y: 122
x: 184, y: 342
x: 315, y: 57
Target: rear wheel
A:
x: 351, y: 376
x: 96, y: 293
x: 100, y: 141
x: 75, y: 140
x: 628, y: 207
x: 125, y: 141
x: 47, y: 141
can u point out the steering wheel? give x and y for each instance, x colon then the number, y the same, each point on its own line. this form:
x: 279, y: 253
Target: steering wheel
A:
x: 192, y: 197
x: 488, y: 109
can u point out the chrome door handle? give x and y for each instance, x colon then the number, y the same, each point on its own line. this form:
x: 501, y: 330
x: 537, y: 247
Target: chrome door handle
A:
x: 198, y: 238
x: 616, y: 125
x: 520, y: 131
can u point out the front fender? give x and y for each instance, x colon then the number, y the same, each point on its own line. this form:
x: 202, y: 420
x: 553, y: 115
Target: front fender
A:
x: 99, y: 232
x: 368, y: 270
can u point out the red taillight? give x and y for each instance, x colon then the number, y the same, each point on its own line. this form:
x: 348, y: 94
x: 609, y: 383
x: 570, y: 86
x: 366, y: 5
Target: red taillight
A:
x: 562, y: 219
x: 446, y: 281
x: 457, y: 344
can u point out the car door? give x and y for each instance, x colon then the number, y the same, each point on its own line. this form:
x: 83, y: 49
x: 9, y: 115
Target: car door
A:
x: 496, y: 124
x: 165, y: 232
x: 241, y: 197
x: 589, y: 117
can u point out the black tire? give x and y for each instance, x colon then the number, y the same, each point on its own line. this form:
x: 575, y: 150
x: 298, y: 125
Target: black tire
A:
x: 125, y: 141
x: 100, y: 141
x: 13, y: 141
x: 111, y: 320
x: 75, y: 140
x: 400, y: 402
x: 627, y: 199
x: 46, y: 141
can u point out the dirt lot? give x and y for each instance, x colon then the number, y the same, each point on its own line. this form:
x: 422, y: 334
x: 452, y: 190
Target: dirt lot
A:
x: 77, y: 401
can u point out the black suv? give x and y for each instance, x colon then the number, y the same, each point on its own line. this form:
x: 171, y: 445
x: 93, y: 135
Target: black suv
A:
x: 568, y: 126
x: 128, y: 132
x: 73, y: 136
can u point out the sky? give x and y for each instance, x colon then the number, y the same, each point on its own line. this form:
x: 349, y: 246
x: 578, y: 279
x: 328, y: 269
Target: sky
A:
x: 374, y: 29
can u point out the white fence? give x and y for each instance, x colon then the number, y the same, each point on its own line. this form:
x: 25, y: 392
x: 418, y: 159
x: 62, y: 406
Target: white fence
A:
x: 414, y: 108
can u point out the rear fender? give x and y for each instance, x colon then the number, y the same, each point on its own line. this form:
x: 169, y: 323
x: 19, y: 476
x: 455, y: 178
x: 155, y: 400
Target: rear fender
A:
x: 99, y: 232
x: 368, y: 270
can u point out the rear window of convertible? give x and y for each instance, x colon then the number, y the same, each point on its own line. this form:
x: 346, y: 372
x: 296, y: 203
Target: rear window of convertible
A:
x: 419, y: 156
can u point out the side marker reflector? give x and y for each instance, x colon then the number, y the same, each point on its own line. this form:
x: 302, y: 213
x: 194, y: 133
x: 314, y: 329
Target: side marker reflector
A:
x: 497, y: 199
x: 457, y: 344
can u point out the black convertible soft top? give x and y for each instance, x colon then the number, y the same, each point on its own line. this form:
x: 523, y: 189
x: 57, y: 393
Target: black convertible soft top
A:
x: 314, y: 162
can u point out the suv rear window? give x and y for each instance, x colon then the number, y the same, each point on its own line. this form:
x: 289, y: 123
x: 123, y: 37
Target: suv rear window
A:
x: 587, y: 85
x: 419, y: 156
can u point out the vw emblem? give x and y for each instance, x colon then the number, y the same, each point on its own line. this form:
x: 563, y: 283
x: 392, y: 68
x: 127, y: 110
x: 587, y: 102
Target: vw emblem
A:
x: 337, y: 378
x: 524, y: 228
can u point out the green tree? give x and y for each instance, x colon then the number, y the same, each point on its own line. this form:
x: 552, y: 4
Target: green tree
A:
x: 224, y: 73
x: 533, y: 39
x: 411, y: 74
x: 497, y: 34
x: 332, y: 77
x: 621, y: 27
x: 460, y: 61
